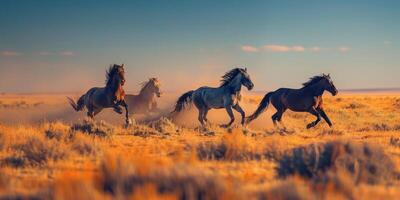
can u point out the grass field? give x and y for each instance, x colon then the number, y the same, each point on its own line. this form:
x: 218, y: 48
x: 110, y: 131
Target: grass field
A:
x: 48, y: 151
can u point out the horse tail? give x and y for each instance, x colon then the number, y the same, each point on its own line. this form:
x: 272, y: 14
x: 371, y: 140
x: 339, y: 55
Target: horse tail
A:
x: 261, y: 107
x: 183, y: 101
x: 78, y: 106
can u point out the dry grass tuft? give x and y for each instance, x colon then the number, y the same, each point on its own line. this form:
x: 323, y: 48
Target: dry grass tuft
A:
x: 233, y: 146
x: 354, y: 105
x: 35, y: 151
x: 289, y: 189
x: 95, y: 128
x: 165, y: 126
x: 123, y: 179
x: 58, y: 131
x: 360, y: 161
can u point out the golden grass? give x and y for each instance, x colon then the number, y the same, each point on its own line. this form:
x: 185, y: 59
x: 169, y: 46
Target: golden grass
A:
x: 160, y: 159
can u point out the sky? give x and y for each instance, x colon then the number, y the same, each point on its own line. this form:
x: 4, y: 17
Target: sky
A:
x: 58, y: 46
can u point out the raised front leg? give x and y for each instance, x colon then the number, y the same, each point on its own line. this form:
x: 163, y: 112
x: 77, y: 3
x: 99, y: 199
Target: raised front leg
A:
x: 230, y: 113
x: 314, y: 112
x: 240, y: 110
x: 125, y: 105
x: 323, y: 115
x: 117, y: 109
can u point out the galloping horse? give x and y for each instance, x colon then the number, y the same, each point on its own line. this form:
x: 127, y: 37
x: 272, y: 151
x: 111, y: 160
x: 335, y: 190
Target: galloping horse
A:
x: 110, y: 96
x: 306, y: 99
x: 145, y: 101
x: 226, y: 96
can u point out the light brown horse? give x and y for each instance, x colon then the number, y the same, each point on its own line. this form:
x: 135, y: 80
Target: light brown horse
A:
x: 306, y: 99
x: 110, y: 96
x: 145, y: 101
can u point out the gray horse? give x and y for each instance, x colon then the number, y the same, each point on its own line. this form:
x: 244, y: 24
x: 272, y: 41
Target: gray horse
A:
x: 110, y: 96
x: 145, y: 101
x: 226, y: 96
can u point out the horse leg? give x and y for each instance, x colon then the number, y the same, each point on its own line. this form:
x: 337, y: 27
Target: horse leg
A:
x: 323, y: 115
x: 275, y: 118
x: 240, y: 110
x: 117, y: 109
x: 90, y: 112
x: 205, y: 115
x: 96, y: 111
x: 230, y: 113
x: 201, y: 116
x: 125, y: 105
x: 279, y: 118
x: 314, y: 112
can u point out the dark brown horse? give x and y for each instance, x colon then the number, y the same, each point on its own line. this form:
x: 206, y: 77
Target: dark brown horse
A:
x: 110, y: 96
x: 306, y: 99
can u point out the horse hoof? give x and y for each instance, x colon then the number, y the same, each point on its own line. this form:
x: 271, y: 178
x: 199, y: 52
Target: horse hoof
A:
x: 309, y: 126
x: 224, y: 126
x: 119, y: 111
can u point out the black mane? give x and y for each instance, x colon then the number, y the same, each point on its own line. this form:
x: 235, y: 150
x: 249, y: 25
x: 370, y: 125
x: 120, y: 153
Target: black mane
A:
x: 228, y: 76
x: 313, y: 80
x: 112, y: 70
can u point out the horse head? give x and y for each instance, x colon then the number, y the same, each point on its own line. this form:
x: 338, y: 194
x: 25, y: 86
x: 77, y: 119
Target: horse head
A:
x: 116, y: 79
x: 245, y: 79
x: 155, y: 83
x: 328, y: 84
x: 151, y: 87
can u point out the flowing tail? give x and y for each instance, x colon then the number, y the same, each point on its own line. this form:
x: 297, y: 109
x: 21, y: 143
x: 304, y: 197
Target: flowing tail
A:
x: 261, y: 107
x: 183, y: 101
x: 78, y: 106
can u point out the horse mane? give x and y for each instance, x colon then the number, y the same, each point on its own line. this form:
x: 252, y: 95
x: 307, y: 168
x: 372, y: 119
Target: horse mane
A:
x: 313, y: 80
x: 144, y: 84
x: 229, y: 76
x: 112, y: 70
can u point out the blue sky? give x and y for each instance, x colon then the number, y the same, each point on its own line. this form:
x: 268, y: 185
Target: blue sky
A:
x: 48, y: 46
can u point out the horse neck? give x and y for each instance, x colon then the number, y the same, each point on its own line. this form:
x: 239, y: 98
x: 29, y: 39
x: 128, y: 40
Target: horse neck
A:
x: 112, y: 87
x: 146, y: 94
x: 315, y: 89
x: 234, y: 85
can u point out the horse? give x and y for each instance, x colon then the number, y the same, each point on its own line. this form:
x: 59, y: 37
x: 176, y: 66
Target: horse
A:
x: 227, y: 96
x: 306, y: 99
x: 145, y: 101
x: 110, y: 96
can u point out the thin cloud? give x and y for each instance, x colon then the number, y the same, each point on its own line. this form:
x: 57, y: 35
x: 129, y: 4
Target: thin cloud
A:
x: 387, y: 42
x: 344, y: 49
x: 248, y: 48
x: 315, y: 49
x: 45, y: 53
x: 10, y: 53
x: 67, y: 53
x: 283, y: 48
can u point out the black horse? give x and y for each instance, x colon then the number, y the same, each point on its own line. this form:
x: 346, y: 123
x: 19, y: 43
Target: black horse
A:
x: 306, y: 99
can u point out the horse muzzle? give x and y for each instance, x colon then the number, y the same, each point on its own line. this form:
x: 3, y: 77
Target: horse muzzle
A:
x: 250, y: 87
x: 335, y: 92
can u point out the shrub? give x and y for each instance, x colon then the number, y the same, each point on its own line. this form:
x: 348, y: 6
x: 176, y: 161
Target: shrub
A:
x: 95, y: 128
x: 233, y: 146
x: 360, y: 161
x: 164, y: 125
x: 35, y: 151
x: 118, y: 178
x: 58, y: 131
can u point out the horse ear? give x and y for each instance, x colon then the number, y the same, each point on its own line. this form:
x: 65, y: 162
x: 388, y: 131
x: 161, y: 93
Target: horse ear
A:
x: 122, y: 65
x: 245, y: 69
